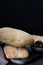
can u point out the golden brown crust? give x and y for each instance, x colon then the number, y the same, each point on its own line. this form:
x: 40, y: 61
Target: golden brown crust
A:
x: 12, y: 52
x: 15, y: 37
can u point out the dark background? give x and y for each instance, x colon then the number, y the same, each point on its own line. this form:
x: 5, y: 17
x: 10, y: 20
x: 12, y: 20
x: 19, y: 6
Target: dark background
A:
x: 22, y: 14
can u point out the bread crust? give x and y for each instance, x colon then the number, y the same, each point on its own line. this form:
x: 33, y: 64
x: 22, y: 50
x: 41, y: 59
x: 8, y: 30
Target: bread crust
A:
x: 13, y: 52
x: 37, y: 38
x: 15, y: 37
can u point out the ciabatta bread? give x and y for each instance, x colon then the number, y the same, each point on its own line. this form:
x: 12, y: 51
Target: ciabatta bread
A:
x: 15, y: 37
x: 13, y: 52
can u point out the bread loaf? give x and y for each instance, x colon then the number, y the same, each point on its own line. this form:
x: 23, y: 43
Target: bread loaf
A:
x: 15, y: 37
x: 13, y: 52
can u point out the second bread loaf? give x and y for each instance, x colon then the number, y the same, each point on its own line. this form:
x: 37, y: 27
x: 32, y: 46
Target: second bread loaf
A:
x: 12, y: 52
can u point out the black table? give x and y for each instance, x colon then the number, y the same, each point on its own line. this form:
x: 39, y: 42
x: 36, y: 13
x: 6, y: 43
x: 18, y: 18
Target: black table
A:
x: 35, y: 61
x: 38, y: 62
